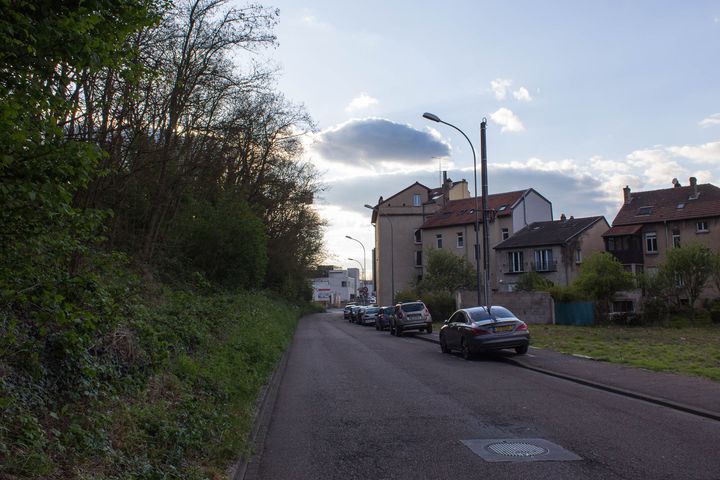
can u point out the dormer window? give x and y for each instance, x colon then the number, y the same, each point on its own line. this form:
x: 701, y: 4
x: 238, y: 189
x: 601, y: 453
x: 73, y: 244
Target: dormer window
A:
x: 502, y: 207
x: 645, y: 211
x: 681, y: 205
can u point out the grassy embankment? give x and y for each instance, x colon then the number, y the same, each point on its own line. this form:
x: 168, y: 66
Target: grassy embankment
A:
x: 183, y: 407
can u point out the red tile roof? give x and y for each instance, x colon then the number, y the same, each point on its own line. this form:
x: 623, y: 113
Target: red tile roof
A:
x: 462, y: 212
x: 670, y: 204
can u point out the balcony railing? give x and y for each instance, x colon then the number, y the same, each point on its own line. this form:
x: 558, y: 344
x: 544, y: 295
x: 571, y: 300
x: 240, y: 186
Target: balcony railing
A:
x: 550, y: 266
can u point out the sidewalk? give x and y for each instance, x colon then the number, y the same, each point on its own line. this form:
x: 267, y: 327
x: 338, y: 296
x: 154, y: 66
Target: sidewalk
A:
x: 695, y: 395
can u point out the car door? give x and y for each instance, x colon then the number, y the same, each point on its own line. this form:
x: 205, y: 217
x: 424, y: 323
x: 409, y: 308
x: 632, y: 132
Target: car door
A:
x: 452, y: 337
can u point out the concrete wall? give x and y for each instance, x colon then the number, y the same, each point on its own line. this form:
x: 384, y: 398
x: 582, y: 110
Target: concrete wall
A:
x: 530, y: 307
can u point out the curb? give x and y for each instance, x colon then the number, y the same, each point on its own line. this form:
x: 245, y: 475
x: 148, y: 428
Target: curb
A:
x: 603, y: 386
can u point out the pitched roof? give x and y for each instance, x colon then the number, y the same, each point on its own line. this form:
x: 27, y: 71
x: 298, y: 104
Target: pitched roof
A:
x: 462, y: 212
x: 556, y: 232
x: 675, y: 203
x: 403, y: 191
x: 620, y: 230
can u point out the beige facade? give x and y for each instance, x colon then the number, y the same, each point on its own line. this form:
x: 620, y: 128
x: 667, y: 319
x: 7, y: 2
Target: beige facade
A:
x: 397, y: 255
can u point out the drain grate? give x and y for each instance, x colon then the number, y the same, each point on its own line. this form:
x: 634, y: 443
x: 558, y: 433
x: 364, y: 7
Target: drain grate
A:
x: 516, y: 449
x: 519, y: 450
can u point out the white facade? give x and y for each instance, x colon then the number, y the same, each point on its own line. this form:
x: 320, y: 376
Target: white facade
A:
x: 340, y: 286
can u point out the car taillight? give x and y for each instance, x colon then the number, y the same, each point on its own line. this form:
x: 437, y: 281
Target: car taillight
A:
x: 475, y: 331
x: 521, y: 327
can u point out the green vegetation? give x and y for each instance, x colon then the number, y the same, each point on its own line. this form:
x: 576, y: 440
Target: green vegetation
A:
x: 684, y: 350
x: 150, y: 189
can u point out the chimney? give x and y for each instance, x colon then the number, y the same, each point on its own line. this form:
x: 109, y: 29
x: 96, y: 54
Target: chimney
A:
x: 444, y: 176
x: 676, y: 183
x: 626, y: 194
x: 693, y: 184
x: 563, y: 217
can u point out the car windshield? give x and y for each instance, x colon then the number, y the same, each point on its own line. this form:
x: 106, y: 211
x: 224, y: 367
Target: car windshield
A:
x: 412, y: 307
x: 501, y: 312
x: 372, y: 310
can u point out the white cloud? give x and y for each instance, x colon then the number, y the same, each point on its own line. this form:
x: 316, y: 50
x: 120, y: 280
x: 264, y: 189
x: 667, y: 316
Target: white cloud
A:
x: 499, y: 87
x: 705, y: 153
x: 522, y: 95
x: 361, y: 102
x: 710, y: 121
x: 508, y: 120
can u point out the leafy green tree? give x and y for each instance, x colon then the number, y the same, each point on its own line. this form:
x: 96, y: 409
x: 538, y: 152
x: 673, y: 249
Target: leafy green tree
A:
x: 447, y: 272
x: 533, y: 282
x: 691, y: 267
x: 715, y: 263
x: 601, y: 277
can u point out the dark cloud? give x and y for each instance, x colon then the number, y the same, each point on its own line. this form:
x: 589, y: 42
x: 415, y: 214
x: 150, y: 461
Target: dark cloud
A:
x: 368, y: 141
x: 580, y: 197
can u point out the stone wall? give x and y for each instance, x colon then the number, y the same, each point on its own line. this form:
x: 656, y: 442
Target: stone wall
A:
x: 530, y: 307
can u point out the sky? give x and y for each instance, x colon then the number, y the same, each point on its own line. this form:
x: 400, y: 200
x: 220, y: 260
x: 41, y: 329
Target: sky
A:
x: 581, y: 99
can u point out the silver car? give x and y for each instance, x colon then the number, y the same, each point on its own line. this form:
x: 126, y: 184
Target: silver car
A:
x: 369, y: 316
x: 473, y: 330
x: 410, y: 316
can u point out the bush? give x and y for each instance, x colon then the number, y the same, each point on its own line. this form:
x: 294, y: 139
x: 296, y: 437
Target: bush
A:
x: 440, y: 304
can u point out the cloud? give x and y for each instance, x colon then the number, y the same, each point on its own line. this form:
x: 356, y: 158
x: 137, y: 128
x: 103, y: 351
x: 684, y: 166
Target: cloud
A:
x: 508, y: 120
x: 361, y: 102
x: 522, y: 95
x: 500, y: 86
x: 372, y: 141
x: 710, y: 121
x: 705, y: 153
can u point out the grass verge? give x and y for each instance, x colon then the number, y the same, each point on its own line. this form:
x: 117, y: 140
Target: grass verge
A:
x: 687, y: 350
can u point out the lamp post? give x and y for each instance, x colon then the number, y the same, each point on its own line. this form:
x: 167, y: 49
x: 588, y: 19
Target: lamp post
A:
x: 437, y: 119
x: 392, y: 253
x: 356, y: 280
x: 364, y: 257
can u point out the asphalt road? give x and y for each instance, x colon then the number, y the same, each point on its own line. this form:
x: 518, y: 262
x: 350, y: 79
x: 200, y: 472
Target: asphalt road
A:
x: 355, y: 403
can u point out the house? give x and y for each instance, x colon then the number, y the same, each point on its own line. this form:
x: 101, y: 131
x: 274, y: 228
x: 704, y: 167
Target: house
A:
x: 397, y: 222
x: 336, y: 286
x: 554, y: 249
x: 651, y: 223
x: 453, y: 226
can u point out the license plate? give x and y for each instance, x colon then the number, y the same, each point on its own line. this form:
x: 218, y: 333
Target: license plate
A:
x: 504, y: 328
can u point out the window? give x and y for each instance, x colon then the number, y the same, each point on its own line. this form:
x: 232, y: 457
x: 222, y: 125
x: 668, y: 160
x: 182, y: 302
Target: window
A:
x: 543, y: 260
x: 438, y: 240
x: 343, y: 283
x: 418, y: 236
x: 651, y: 242
x: 416, y: 200
x: 578, y: 256
x: 515, y: 260
x: 644, y: 211
x: 460, y: 240
x: 702, y: 226
x: 505, y: 233
x: 676, y: 239
x: 418, y: 258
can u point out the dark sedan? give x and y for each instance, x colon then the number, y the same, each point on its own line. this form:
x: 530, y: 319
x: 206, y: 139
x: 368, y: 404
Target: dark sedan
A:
x: 474, y: 330
x: 383, y: 318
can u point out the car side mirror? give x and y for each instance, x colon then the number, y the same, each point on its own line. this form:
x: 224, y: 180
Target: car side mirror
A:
x: 447, y: 320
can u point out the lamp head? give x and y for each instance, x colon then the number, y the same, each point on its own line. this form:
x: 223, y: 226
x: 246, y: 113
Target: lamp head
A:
x: 431, y: 116
x: 368, y: 206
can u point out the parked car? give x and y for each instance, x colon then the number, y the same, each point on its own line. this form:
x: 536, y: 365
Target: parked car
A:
x: 346, y: 311
x: 473, y: 330
x: 353, y: 312
x: 383, y: 319
x: 410, y: 316
x: 369, y: 315
x: 356, y: 313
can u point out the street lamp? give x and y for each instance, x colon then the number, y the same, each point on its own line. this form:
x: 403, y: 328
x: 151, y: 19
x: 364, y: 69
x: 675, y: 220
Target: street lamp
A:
x: 356, y: 280
x: 364, y: 257
x: 486, y: 260
x: 392, y: 254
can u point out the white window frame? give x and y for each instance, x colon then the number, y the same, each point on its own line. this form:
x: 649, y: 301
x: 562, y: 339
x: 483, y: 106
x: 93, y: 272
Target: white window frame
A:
x: 460, y: 239
x: 505, y: 233
x: 578, y: 256
x: 543, y: 259
x: 651, y: 245
x: 438, y: 240
x: 515, y: 261
x: 676, y: 239
x: 702, y: 226
x: 418, y: 236
x: 416, y: 200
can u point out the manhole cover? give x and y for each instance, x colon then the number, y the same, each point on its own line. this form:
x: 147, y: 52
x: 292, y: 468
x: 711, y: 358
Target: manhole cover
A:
x: 519, y: 450
x: 516, y: 449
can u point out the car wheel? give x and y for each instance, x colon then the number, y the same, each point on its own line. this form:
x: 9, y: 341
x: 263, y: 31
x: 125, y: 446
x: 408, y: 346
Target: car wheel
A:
x: 429, y: 329
x: 398, y: 331
x: 465, y: 350
x: 443, y: 346
x: 521, y: 350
